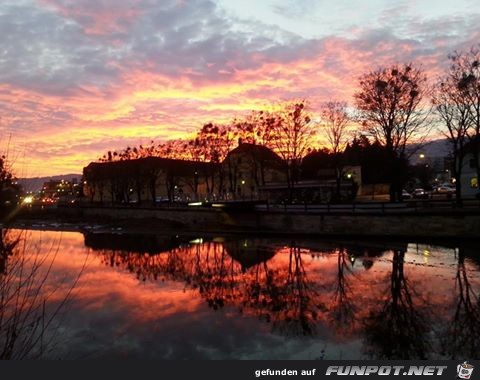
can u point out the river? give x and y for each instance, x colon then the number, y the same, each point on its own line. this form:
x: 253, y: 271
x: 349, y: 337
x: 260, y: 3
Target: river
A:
x: 110, y: 294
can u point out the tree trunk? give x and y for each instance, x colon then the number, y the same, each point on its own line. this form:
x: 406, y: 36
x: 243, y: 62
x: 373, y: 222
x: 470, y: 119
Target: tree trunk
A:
x: 338, y: 178
x: 457, y: 174
x: 139, y: 191
x: 153, y: 190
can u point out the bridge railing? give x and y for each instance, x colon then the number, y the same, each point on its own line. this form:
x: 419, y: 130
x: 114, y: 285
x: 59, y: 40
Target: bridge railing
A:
x: 411, y: 206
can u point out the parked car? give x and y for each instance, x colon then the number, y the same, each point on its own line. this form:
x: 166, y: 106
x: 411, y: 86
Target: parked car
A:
x: 421, y: 194
x: 406, y: 195
x: 443, y: 189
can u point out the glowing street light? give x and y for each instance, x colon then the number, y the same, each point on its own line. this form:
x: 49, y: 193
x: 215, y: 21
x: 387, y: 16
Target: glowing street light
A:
x: 28, y: 200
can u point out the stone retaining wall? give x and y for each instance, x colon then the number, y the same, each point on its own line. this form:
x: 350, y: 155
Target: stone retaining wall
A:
x: 445, y: 225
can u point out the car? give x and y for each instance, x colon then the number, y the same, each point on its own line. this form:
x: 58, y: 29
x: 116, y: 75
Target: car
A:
x: 442, y: 189
x: 448, y: 184
x: 406, y: 195
x: 421, y: 194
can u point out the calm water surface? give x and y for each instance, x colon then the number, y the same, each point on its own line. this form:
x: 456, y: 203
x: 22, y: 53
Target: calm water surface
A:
x: 191, y: 297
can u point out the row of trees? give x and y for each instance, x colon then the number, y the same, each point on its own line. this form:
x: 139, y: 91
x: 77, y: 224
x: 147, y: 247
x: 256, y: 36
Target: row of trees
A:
x: 288, y: 131
x: 9, y: 187
x: 457, y: 103
x: 393, y: 108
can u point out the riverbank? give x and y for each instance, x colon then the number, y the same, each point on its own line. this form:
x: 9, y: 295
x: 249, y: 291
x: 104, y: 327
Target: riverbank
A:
x: 447, y: 224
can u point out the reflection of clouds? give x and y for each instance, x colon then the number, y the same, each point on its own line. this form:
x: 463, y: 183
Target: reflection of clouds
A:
x: 168, y: 305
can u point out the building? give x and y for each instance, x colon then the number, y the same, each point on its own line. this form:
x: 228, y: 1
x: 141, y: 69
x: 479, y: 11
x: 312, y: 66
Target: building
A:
x: 469, y: 174
x: 322, y: 189
x: 249, y: 172
x: 249, y: 168
x: 55, y: 190
x: 155, y: 179
x: 151, y: 179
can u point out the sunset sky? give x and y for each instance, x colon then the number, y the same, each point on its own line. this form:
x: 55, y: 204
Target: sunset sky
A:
x: 79, y: 77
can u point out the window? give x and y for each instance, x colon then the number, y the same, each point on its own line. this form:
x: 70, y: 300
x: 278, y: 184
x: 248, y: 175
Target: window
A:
x: 474, y: 182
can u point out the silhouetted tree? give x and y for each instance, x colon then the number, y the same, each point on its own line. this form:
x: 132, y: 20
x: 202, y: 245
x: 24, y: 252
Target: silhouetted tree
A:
x: 453, y: 108
x: 389, y: 103
x: 218, y: 141
x: 257, y: 128
x: 9, y: 188
x: 315, y: 161
x: 371, y: 157
x: 28, y: 324
x: 292, y: 133
x: 335, y: 119
x: 465, y: 67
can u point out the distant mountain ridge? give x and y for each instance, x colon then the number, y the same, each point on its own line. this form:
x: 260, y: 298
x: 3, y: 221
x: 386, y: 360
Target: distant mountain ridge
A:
x: 431, y: 150
x: 437, y: 148
x: 36, y: 183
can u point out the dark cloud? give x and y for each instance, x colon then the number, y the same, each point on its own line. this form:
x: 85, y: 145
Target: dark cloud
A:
x: 42, y: 51
x: 58, y: 46
x: 61, y: 46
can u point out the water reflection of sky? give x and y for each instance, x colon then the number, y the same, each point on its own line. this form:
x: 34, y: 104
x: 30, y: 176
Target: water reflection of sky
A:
x: 258, y: 298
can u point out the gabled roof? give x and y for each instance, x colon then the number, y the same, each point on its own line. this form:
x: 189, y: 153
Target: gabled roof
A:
x: 251, y: 254
x: 259, y: 152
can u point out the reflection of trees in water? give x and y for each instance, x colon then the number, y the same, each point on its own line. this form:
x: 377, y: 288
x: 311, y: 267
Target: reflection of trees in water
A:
x: 280, y: 295
x: 462, y: 336
x: 282, y: 292
x: 7, y: 245
x: 300, y: 311
x: 284, y: 296
x: 28, y: 324
x: 398, y: 330
x: 205, y: 267
x: 215, y: 276
x: 343, y: 308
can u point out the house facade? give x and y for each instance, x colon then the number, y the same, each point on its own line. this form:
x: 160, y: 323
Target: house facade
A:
x: 150, y: 179
x: 469, y: 178
x: 248, y: 168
